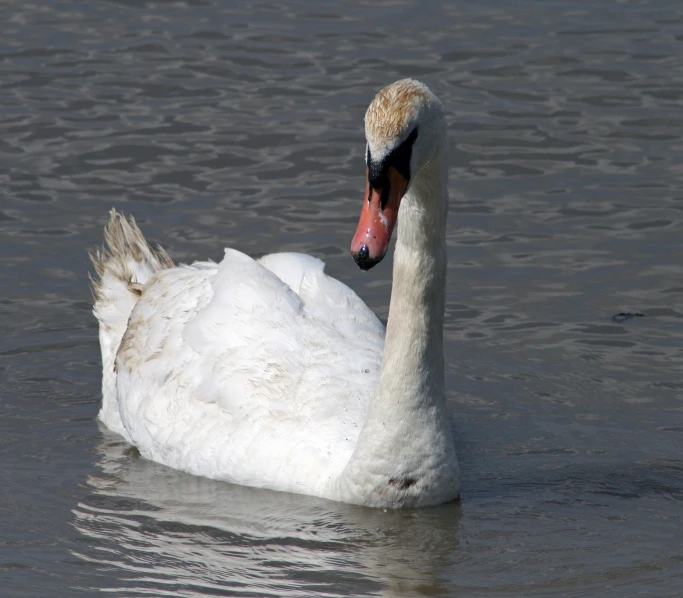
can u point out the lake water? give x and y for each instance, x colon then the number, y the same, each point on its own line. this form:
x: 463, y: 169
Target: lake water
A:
x: 219, y: 126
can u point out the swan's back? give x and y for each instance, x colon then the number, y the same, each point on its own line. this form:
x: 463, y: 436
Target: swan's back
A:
x: 255, y: 372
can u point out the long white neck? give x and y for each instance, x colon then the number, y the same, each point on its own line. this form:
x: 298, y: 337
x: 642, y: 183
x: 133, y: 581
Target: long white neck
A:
x: 405, y: 454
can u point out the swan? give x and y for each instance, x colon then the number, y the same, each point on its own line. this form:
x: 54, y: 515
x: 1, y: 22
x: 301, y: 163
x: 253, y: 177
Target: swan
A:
x: 268, y: 372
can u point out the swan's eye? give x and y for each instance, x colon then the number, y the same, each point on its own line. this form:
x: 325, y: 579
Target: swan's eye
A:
x: 399, y: 158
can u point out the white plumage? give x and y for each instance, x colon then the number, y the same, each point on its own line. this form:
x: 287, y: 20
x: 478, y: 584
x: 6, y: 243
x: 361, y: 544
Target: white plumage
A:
x: 264, y: 372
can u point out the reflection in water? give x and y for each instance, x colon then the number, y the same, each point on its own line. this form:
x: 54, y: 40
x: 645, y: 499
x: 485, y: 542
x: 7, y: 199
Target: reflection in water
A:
x: 180, y: 534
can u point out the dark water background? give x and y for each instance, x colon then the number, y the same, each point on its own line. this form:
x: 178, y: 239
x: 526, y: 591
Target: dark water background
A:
x: 219, y: 126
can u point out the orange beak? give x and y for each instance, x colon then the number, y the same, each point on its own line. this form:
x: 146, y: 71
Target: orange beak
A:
x: 377, y: 221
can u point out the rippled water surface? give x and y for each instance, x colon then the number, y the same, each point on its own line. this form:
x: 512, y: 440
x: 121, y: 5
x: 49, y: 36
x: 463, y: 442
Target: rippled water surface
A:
x: 220, y: 126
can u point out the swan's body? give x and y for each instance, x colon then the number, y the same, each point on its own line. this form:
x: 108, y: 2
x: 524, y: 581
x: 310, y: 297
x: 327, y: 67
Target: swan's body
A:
x: 269, y: 373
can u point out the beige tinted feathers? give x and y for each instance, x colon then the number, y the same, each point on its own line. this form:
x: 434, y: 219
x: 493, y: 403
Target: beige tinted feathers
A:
x: 391, y: 112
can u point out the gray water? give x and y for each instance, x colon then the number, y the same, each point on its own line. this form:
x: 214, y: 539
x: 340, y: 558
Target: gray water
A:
x: 217, y: 126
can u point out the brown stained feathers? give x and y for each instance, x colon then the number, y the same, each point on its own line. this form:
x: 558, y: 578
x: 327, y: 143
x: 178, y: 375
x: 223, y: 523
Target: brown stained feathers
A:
x: 389, y: 113
x: 125, y: 249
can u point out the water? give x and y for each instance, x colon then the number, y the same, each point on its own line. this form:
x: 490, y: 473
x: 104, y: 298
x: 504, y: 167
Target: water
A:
x: 220, y: 126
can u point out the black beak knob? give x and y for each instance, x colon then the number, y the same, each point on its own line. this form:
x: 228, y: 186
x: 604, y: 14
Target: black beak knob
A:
x: 363, y: 259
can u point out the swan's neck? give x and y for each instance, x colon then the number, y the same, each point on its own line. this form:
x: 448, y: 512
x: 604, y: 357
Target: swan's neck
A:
x: 412, y: 365
x: 405, y: 454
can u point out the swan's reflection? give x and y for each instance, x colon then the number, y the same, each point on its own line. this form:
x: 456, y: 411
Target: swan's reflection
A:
x: 168, y: 533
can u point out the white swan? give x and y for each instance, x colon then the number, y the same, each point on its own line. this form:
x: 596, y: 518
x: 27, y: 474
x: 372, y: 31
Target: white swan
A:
x: 269, y: 373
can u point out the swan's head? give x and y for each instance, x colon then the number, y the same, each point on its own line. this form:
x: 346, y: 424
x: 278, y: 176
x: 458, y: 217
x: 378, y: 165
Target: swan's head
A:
x: 404, y: 128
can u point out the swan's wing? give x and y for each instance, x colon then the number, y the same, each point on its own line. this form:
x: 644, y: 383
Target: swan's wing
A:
x: 228, y: 372
x: 279, y: 333
x: 321, y: 295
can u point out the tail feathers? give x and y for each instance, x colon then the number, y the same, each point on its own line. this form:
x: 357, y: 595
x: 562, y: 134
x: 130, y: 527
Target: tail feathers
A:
x: 122, y: 268
x: 128, y: 257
